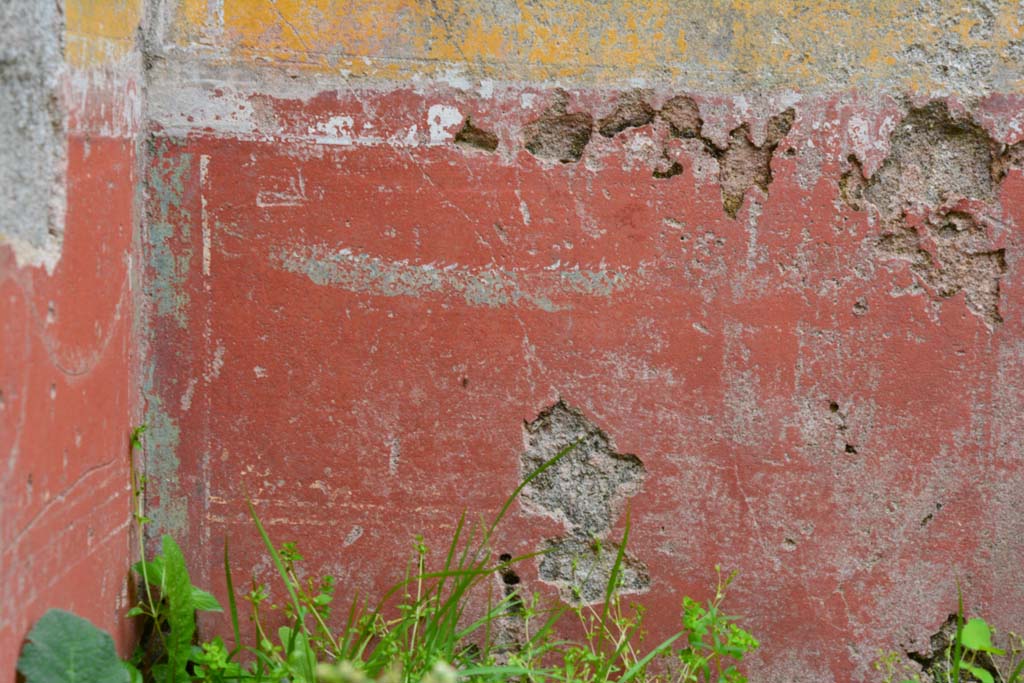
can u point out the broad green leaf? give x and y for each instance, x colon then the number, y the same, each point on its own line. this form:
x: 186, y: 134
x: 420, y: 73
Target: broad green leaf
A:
x: 134, y: 676
x: 152, y: 571
x: 204, y: 602
x: 65, y: 648
x: 299, y: 655
x: 177, y: 591
x: 979, y: 673
x: 977, y: 635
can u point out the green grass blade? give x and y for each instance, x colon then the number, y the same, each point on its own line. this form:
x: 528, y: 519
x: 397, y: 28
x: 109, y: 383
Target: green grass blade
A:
x: 957, y: 648
x: 530, y: 477
x: 639, y: 666
x: 232, y: 603
x: 613, y: 576
x: 1016, y: 675
x: 452, y: 547
x: 509, y: 672
x: 279, y: 565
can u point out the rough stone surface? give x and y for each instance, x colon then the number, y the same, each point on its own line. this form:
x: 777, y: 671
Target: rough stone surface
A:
x: 683, y: 116
x: 934, y: 660
x: 631, y: 111
x: 32, y: 127
x: 585, y: 490
x: 961, y: 260
x: 931, y: 194
x: 559, y: 135
x: 581, y: 570
x: 744, y: 165
x: 935, y: 158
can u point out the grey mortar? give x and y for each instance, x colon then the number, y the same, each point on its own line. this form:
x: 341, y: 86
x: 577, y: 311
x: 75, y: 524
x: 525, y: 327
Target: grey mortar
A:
x: 33, y: 128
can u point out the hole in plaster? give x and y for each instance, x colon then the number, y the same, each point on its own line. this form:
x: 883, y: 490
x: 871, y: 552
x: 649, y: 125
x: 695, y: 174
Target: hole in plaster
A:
x: 631, y: 111
x: 675, y: 169
x: 559, y: 135
x: 476, y: 138
x: 683, y: 116
x: 585, y: 491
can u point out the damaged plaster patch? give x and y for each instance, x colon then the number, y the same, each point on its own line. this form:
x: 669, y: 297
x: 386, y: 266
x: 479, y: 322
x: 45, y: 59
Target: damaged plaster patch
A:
x: 937, y: 160
x: 585, y: 490
x: 852, y: 184
x: 961, y: 260
x: 33, y: 128
x: 581, y: 569
x: 934, y: 158
x: 478, y: 138
x: 631, y: 111
x: 683, y: 116
x: 1011, y: 157
x: 744, y: 165
x: 558, y: 135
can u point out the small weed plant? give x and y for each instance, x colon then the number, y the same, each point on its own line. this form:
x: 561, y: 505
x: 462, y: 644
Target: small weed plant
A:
x: 425, y: 629
x: 969, y: 655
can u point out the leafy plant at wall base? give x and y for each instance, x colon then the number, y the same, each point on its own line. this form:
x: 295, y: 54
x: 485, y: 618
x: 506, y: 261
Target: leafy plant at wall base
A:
x: 65, y: 648
x: 970, y: 654
x: 172, y: 614
x: 424, y: 629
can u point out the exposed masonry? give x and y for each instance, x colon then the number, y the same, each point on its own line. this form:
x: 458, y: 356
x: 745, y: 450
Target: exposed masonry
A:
x: 939, y: 164
x: 632, y: 111
x: 561, y: 136
x: 743, y: 165
x: 583, y: 567
x: 585, y: 490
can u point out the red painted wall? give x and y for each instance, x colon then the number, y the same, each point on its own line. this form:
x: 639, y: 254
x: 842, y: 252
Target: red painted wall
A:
x: 353, y: 316
x: 67, y: 383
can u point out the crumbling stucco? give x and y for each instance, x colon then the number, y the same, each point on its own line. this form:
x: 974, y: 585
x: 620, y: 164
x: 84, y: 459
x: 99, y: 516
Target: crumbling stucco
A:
x: 938, y: 160
x: 683, y: 116
x: 476, y: 138
x: 935, y: 157
x: 585, y: 490
x: 32, y: 127
x: 559, y: 135
x: 960, y: 260
x: 744, y: 165
x: 581, y: 569
x: 631, y: 111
